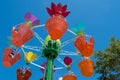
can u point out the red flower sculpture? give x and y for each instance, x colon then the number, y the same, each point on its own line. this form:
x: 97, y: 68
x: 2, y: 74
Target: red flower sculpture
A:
x: 23, y: 74
x: 9, y: 57
x: 21, y: 35
x: 58, y: 10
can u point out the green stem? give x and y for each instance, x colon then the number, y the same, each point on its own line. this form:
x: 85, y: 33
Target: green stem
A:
x: 49, y: 69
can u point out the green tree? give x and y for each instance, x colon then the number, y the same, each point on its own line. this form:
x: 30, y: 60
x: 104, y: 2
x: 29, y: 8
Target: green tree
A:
x: 107, y: 62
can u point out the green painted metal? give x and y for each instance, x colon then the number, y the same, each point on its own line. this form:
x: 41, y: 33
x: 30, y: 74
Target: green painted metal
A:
x: 49, y: 69
x: 50, y: 50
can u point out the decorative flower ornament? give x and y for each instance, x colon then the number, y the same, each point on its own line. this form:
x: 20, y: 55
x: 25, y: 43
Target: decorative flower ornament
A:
x: 68, y: 62
x: 31, y: 20
x: 57, y: 25
x: 78, y: 29
x: 58, y: 10
x: 30, y: 56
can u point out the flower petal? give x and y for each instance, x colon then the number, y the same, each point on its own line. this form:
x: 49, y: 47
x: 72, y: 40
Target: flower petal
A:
x: 27, y: 16
x: 53, y: 6
x: 66, y: 14
x: 33, y: 18
x: 59, y: 6
x: 64, y: 8
x: 49, y: 11
x: 36, y: 22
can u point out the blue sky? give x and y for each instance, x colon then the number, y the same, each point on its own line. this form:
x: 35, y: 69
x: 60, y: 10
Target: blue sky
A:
x: 101, y: 19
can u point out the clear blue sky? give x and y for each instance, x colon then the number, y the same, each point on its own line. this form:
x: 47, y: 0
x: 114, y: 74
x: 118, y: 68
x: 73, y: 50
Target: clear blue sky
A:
x: 101, y: 19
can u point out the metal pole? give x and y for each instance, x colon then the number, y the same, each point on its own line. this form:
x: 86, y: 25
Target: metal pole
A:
x: 49, y: 69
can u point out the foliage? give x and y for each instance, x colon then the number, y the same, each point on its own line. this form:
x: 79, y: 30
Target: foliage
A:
x: 108, y: 61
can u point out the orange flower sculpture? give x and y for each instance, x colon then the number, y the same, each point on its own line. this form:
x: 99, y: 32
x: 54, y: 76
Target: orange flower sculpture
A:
x: 69, y: 77
x: 56, y: 25
x: 86, y: 48
x: 87, y: 67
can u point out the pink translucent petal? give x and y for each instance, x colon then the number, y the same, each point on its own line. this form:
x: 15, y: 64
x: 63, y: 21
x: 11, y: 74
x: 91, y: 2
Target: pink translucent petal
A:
x: 33, y: 18
x: 43, y: 65
x: 36, y: 22
x: 27, y: 16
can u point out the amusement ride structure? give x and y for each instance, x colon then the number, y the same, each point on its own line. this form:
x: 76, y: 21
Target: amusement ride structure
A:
x: 51, y: 48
